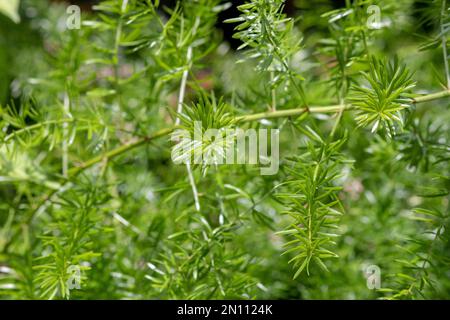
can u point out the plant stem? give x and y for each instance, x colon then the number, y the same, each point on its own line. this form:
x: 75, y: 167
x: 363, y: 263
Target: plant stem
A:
x: 119, y: 150
x: 177, y: 122
x: 250, y: 118
x: 65, y: 151
x: 183, y: 84
x: 273, y: 92
x: 36, y: 126
x: 118, y: 36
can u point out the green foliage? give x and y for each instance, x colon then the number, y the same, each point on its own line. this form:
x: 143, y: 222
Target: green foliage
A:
x: 381, y: 103
x: 93, y: 206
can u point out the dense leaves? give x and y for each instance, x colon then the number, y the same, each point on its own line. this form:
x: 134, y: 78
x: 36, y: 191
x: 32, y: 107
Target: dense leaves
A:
x: 94, y: 205
x: 380, y: 105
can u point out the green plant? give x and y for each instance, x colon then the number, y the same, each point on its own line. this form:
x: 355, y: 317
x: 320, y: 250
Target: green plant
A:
x: 382, y: 103
x: 93, y: 204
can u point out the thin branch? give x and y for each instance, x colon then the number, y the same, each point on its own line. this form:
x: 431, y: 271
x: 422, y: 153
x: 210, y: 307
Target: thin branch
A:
x: 250, y: 118
x: 247, y: 118
x: 177, y: 122
x: 40, y: 125
x: 291, y: 112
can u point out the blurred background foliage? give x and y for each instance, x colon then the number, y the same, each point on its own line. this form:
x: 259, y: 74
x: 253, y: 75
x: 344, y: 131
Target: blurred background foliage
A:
x: 130, y: 222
